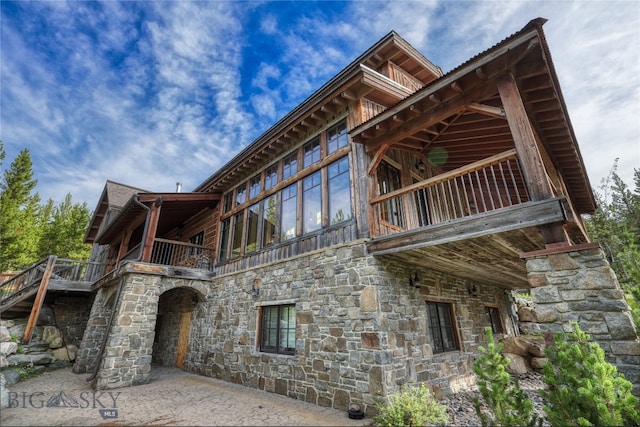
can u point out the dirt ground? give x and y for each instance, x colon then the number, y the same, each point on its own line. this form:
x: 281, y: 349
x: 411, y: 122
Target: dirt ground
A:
x: 172, y: 397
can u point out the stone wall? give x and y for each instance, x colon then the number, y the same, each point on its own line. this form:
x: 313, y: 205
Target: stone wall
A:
x: 361, y: 330
x: 580, y: 286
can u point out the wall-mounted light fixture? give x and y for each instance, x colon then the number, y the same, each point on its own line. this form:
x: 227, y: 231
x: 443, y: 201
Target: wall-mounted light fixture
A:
x: 255, y: 290
x: 473, y: 291
x: 414, y: 281
x: 420, y: 166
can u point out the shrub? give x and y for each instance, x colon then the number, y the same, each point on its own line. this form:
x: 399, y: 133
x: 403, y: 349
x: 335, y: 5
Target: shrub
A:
x: 583, y: 388
x: 412, y: 406
x: 505, y: 403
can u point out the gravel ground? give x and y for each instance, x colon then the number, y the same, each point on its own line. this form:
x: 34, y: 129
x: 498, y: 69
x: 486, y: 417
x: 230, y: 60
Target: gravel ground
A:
x: 460, y: 405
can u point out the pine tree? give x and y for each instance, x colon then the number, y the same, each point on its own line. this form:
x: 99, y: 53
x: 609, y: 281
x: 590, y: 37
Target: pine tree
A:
x: 583, y: 388
x: 19, y: 210
x: 506, y: 403
x: 63, y: 229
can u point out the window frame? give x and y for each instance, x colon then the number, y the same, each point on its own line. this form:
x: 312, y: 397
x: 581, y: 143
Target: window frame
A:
x: 438, y: 342
x: 490, y: 311
x: 264, y: 328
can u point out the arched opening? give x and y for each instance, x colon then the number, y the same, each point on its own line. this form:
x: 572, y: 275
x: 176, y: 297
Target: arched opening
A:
x: 173, y: 325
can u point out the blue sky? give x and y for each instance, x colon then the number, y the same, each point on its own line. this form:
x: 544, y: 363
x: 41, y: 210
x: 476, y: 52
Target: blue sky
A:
x: 152, y: 93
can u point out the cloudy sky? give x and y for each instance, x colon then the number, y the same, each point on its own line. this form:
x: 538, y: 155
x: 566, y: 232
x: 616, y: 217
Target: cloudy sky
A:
x: 155, y: 92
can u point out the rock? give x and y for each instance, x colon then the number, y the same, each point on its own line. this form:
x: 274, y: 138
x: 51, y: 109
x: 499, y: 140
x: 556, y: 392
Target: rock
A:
x: 524, y: 345
x: 35, y: 346
x: 7, y: 323
x: 3, y: 362
x: 31, y: 359
x: 5, y: 335
x: 67, y: 353
x: 538, y: 362
x: 517, y: 364
x: 45, y: 317
x: 4, y: 392
x: 52, y: 335
x: 7, y: 348
x: 58, y: 364
x: 527, y: 314
x: 11, y: 376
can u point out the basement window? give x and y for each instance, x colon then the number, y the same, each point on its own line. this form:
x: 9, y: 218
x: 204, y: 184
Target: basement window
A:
x: 278, y: 329
x: 442, y: 327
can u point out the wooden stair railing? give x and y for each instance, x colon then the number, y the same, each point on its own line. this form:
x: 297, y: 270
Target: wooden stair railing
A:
x: 33, y: 280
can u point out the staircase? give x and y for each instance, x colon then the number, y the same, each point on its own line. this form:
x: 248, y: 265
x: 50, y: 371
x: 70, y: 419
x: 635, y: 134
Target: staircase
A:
x: 49, y: 273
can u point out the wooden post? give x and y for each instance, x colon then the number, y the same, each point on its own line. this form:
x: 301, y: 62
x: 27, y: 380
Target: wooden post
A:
x: 152, y: 227
x: 524, y: 139
x: 37, y: 303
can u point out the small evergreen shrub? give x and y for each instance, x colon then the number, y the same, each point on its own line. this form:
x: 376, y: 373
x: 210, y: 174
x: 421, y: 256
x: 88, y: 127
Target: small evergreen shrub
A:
x: 412, y: 406
x: 505, y: 403
x: 583, y: 388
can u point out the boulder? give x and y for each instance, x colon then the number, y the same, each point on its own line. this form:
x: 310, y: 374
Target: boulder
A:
x: 30, y: 359
x: 538, y: 362
x: 52, y: 335
x: 5, y: 335
x: 517, y: 364
x: 4, y: 392
x: 3, y: 361
x: 524, y: 345
x: 67, y: 353
x: 11, y: 376
x: 7, y: 348
x: 527, y: 314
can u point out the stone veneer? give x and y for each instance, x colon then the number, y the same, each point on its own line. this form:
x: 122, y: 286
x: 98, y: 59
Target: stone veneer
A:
x: 579, y: 285
x: 361, y: 330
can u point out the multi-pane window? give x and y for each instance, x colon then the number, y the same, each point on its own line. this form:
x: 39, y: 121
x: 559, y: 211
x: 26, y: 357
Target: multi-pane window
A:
x: 493, y: 318
x: 254, y: 186
x: 236, y: 241
x: 337, y: 137
x: 253, y: 220
x: 270, y: 176
x: 269, y: 231
x: 227, y: 202
x: 290, y: 165
x: 289, y: 212
x: 312, y: 203
x: 278, y: 329
x: 311, y: 152
x: 339, y: 191
x: 441, y: 327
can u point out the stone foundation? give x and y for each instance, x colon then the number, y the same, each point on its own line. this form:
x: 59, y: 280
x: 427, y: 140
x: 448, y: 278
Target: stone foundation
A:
x: 579, y: 285
x: 361, y: 330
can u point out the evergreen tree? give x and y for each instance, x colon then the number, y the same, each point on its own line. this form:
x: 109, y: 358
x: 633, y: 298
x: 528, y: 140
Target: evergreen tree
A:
x: 63, y: 230
x: 19, y: 210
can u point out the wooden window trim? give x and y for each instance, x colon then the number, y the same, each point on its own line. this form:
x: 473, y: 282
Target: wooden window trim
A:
x: 454, y: 324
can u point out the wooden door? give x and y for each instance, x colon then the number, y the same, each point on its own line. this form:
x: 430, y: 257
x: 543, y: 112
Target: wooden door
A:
x: 183, y: 339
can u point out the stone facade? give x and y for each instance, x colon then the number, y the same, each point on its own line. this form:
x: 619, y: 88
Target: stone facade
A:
x: 361, y: 330
x: 580, y: 286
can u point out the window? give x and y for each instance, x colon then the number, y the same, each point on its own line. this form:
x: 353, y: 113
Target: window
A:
x: 312, y: 203
x: 441, y: 327
x: 227, y: 203
x: 339, y: 191
x: 289, y: 212
x: 236, y: 243
x: 271, y: 176
x: 254, y: 186
x: 337, y: 137
x: 224, y: 239
x: 278, y: 329
x: 269, y: 232
x: 311, y: 152
x: 290, y: 165
x: 494, y: 320
x: 252, y: 228
x: 241, y: 194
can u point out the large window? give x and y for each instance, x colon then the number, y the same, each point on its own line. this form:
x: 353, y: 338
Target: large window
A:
x: 441, y: 327
x: 278, y: 329
x: 388, y: 181
x: 339, y: 191
x: 312, y: 203
x: 289, y: 212
x: 314, y: 198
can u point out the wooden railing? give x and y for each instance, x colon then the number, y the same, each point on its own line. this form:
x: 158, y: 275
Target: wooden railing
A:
x: 181, y: 254
x: 24, y: 283
x: 402, y: 77
x: 490, y: 184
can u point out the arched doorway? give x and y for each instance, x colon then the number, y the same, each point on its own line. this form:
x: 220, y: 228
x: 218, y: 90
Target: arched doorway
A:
x: 173, y: 325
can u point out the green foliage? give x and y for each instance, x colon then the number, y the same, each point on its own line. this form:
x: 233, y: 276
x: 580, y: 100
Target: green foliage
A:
x: 412, y: 406
x: 616, y: 226
x: 30, y: 231
x: 583, y: 388
x: 506, y: 404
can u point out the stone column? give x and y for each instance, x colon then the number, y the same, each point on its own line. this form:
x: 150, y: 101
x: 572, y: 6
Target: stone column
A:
x: 576, y: 283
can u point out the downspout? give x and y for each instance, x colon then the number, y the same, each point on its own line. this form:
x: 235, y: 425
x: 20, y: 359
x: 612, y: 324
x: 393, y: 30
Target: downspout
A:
x: 136, y: 200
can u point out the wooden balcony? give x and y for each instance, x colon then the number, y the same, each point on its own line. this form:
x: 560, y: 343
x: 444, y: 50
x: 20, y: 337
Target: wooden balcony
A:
x: 473, y: 221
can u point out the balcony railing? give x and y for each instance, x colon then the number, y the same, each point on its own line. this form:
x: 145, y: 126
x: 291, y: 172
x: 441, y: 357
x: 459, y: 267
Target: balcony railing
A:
x: 181, y: 254
x: 490, y: 184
